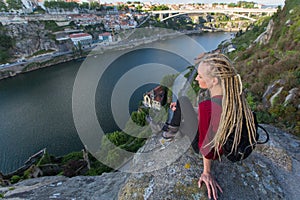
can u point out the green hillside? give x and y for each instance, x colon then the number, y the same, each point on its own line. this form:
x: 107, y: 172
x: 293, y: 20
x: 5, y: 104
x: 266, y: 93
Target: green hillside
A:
x: 273, y: 65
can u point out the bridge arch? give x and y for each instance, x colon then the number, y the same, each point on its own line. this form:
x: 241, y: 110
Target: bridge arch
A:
x: 229, y: 11
x: 226, y: 13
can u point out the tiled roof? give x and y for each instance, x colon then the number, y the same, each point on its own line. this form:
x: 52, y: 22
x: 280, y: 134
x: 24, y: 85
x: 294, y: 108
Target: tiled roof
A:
x: 105, y: 34
x: 77, y: 35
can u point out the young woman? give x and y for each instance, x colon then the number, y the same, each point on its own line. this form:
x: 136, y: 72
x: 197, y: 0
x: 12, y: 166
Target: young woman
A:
x: 221, y: 114
x: 218, y: 116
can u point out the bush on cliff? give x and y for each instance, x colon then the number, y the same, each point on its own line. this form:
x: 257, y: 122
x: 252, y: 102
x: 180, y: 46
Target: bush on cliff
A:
x: 6, y: 44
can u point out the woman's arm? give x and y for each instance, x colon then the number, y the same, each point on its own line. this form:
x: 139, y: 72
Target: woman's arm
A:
x: 210, y: 182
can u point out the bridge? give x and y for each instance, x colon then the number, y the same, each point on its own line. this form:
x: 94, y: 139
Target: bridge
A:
x: 239, y: 12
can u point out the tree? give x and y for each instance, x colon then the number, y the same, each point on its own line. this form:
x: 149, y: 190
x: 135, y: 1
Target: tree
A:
x: 231, y: 5
x: 6, y: 43
x: 118, y: 137
x: 160, y: 7
x: 215, y: 4
x: 61, y: 4
x: 94, y: 5
x: 84, y: 5
x: 139, y: 8
x: 3, y: 7
x: 138, y: 117
x: 123, y: 7
x: 14, y: 4
x: 109, y: 8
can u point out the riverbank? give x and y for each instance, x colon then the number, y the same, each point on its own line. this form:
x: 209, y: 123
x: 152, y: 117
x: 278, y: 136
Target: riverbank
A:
x: 147, y: 35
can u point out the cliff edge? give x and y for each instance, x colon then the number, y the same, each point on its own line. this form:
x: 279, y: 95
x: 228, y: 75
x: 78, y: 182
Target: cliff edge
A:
x: 272, y: 171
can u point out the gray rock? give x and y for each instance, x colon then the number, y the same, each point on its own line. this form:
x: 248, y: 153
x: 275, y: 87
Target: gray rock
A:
x: 271, y: 172
x: 101, y: 187
x: 265, y: 37
x: 170, y: 170
x: 32, y: 37
x: 271, y: 90
x: 291, y: 96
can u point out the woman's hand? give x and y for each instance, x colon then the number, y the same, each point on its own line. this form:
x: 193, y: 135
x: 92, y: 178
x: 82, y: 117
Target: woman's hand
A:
x: 211, y: 185
x: 173, y: 106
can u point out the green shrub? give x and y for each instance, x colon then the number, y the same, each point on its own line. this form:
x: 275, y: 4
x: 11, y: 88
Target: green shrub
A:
x: 251, y: 101
x: 15, y: 179
x: 118, y: 138
x: 72, y: 156
x: 46, y: 159
x: 264, y: 117
x: 6, y: 43
x: 139, y: 117
x: 52, y: 26
x: 43, y: 51
x: 97, y: 168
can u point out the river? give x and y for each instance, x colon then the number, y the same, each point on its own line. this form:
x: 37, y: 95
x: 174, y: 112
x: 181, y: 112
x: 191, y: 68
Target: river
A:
x: 36, y: 107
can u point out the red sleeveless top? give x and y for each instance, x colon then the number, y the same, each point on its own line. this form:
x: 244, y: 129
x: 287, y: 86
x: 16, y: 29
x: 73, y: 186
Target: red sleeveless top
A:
x: 209, y: 114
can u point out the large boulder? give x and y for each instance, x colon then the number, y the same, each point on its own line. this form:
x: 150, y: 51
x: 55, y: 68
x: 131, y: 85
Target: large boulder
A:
x: 271, y: 172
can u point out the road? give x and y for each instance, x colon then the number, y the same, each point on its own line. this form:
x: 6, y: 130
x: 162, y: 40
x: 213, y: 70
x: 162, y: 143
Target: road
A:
x: 39, y: 58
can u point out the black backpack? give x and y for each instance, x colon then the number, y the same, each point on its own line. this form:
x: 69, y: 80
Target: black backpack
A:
x: 244, y: 148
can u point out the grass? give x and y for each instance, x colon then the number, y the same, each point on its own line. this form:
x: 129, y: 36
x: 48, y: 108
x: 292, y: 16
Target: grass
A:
x: 43, y: 51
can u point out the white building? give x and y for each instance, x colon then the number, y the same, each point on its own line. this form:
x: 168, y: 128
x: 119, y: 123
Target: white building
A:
x: 155, y: 98
x: 82, y: 38
x: 105, y: 37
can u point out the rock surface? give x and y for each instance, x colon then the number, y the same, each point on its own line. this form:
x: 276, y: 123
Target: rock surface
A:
x: 170, y: 170
x: 265, y: 37
x: 32, y: 37
x: 101, y: 187
x: 271, y: 172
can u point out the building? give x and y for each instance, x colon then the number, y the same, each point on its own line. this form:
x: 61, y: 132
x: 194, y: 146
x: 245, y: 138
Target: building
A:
x: 105, y: 37
x: 155, y: 98
x: 82, y: 38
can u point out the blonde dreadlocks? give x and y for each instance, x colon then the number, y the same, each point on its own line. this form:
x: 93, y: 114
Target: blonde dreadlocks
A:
x: 234, y: 104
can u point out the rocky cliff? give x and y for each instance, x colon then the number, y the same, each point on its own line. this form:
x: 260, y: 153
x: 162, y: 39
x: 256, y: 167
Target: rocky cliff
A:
x: 271, y: 172
x: 267, y: 57
x: 32, y: 37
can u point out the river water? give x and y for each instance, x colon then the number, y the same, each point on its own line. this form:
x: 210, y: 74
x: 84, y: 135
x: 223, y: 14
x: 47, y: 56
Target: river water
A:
x: 36, y: 107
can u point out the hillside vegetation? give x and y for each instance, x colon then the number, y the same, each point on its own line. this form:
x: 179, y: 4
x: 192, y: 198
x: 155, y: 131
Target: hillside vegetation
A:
x: 270, y: 70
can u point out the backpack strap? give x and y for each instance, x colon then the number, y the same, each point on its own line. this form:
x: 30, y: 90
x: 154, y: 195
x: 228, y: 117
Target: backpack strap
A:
x: 267, y: 135
x: 216, y: 100
x: 219, y: 102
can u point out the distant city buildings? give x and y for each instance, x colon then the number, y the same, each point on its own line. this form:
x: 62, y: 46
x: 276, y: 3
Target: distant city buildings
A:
x: 31, y: 5
x: 104, y: 21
